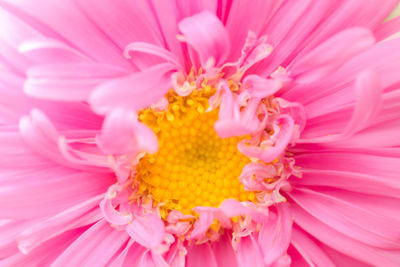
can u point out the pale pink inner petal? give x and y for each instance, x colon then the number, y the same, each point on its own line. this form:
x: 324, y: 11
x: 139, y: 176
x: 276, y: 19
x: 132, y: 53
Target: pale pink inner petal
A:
x: 134, y: 92
x: 206, y: 34
x: 147, y: 230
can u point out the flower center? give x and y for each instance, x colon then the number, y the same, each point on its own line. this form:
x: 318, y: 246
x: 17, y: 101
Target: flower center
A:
x: 194, y: 166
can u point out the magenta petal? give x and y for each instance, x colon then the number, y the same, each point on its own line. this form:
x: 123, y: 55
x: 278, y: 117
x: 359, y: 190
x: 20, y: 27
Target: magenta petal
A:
x: 147, y: 230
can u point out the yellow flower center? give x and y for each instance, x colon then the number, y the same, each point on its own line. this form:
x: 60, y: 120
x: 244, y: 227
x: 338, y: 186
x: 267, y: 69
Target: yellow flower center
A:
x: 193, y: 167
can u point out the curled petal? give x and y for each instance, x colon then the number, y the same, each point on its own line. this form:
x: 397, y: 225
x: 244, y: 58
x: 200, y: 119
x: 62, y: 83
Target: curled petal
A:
x: 207, y: 215
x: 151, y: 49
x: 295, y: 110
x: 232, y: 121
x: 147, y: 230
x: 122, y: 133
x: 207, y: 35
x: 232, y: 208
x: 254, y: 50
x: 259, y: 87
x: 42, y: 137
x: 268, y: 154
x: 253, y: 175
x: 112, y: 215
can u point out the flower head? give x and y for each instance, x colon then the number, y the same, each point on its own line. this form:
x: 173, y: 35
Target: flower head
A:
x: 201, y: 133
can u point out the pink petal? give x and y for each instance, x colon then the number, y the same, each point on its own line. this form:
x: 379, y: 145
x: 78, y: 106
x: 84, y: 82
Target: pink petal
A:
x: 120, y: 258
x: 136, y: 91
x: 259, y: 87
x: 232, y: 208
x: 95, y: 247
x: 149, y: 49
x: 234, y: 121
x: 353, y: 162
x: 123, y: 21
x: 275, y: 234
x: 201, y: 255
x: 341, y: 259
x: 344, y: 15
x: 313, y: 254
x: 68, y: 81
x: 342, y: 243
x: 387, y: 29
x: 368, y: 102
x: 123, y: 134
x: 168, y: 17
x: 112, y: 215
x: 50, y: 19
x: 43, y: 138
x: 147, y: 230
x: 82, y: 214
x: 331, y: 54
x: 348, y: 219
x: 63, y: 189
x: 249, y: 253
x: 288, y: 30
x: 50, y: 51
x: 259, y: 11
x: 270, y: 153
x: 45, y: 254
x: 13, y: 33
x: 351, y: 181
x: 207, y: 215
x: 149, y: 259
x: 9, y: 231
x: 377, y: 58
x: 253, y: 175
x: 189, y: 8
x: 225, y: 256
x: 206, y: 34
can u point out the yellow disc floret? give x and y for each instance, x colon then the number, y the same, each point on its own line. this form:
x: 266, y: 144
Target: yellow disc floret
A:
x: 193, y: 167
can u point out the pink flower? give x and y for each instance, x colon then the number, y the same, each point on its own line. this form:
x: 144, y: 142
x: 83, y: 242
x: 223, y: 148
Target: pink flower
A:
x: 199, y: 133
